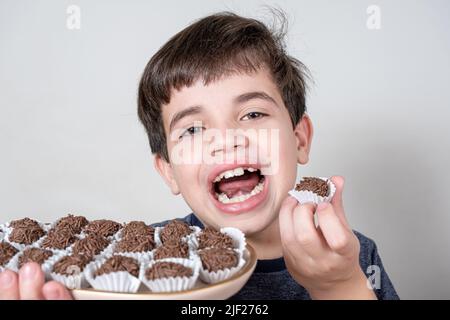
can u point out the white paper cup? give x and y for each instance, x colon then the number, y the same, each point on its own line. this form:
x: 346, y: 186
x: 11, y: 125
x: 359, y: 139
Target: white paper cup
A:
x: 221, y: 275
x: 75, y: 281
x: 172, y: 284
x: 120, y: 281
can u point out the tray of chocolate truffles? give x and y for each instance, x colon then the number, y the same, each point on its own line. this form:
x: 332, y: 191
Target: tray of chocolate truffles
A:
x: 105, y: 259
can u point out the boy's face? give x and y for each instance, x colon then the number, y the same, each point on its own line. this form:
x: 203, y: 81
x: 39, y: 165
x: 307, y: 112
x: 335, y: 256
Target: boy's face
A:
x: 262, y: 153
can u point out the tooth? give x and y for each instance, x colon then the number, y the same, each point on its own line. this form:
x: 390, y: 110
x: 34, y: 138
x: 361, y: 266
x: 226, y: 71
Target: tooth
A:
x: 228, y: 174
x: 226, y: 200
x: 238, y: 171
x: 251, y: 169
x: 217, y: 179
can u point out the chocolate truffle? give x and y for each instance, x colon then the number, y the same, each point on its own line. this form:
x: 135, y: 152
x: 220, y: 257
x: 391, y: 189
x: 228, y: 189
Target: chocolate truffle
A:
x: 26, y: 234
x: 90, y: 245
x: 316, y: 185
x: 71, y: 265
x: 166, y: 269
x: 137, y: 228
x: 34, y: 255
x: 172, y: 250
x: 215, y: 259
x: 119, y: 263
x: 59, y: 239
x: 213, y: 238
x: 7, y: 251
x: 174, y: 231
x: 104, y: 228
x: 74, y: 223
x: 24, y: 223
x: 135, y: 244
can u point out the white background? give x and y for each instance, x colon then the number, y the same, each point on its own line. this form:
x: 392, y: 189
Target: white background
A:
x: 71, y: 142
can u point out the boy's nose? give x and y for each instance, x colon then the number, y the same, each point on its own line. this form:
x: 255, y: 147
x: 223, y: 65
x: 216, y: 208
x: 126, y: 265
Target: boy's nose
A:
x: 228, y: 142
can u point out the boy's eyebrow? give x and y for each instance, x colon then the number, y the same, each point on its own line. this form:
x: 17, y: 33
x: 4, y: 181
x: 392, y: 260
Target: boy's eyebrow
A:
x: 254, y: 95
x: 184, y: 113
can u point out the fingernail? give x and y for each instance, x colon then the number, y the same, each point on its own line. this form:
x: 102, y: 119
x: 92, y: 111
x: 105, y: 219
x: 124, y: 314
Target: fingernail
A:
x: 322, y: 206
x: 6, y: 279
x: 52, y: 293
x: 28, y: 272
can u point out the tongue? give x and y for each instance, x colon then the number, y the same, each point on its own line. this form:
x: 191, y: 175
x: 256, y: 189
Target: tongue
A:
x: 240, y: 185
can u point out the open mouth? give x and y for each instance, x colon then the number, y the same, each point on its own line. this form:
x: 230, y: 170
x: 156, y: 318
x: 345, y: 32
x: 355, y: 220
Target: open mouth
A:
x: 238, y: 184
x: 238, y: 189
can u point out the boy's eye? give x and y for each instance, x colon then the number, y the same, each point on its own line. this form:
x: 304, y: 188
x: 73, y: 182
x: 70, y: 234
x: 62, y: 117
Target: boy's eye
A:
x: 253, y: 115
x: 191, y: 131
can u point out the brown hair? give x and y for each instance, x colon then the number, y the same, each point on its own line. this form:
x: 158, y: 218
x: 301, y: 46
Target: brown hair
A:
x: 218, y: 45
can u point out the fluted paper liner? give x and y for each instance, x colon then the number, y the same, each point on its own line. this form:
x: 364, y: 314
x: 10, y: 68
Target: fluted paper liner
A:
x: 76, y: 281
x: 120, y: 281
x: 172, y: 284
x: 221, y: 275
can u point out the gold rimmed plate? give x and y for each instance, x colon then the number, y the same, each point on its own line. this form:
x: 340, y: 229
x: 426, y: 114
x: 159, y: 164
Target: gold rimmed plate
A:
x: 201, y: 291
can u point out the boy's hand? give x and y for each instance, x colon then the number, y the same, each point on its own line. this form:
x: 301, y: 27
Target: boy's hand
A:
x: 324, y: 260
x: 29, y: 284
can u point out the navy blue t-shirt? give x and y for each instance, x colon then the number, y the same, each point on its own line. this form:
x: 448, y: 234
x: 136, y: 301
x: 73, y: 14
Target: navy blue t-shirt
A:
x: 271, y: 280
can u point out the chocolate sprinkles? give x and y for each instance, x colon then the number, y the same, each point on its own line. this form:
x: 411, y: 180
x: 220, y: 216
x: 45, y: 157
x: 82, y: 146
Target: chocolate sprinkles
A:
x: 316, y: 185
x: 119, y: 263
x: 167, y: 270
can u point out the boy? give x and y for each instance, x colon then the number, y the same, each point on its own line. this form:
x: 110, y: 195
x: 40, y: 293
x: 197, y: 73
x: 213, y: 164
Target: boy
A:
x: 228, y: 73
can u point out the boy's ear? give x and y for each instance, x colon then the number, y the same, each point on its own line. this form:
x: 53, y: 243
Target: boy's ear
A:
x: 166, y: 171
x: 303, y: 134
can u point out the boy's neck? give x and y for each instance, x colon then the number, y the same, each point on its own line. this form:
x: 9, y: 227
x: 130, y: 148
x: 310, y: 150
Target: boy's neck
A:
x: 267, y: 243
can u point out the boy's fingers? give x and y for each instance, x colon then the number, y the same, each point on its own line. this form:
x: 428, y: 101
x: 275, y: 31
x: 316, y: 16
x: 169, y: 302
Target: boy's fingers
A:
x: 305, y: 230
x: 9, y: 287
x: 337, y: 200
x: 31, y: 281
x: 54, y: 290
x: 335, y: 233
x: 285, y: 220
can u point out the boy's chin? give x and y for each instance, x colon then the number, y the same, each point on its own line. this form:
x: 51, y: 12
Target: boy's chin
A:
x: 251, y: 223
